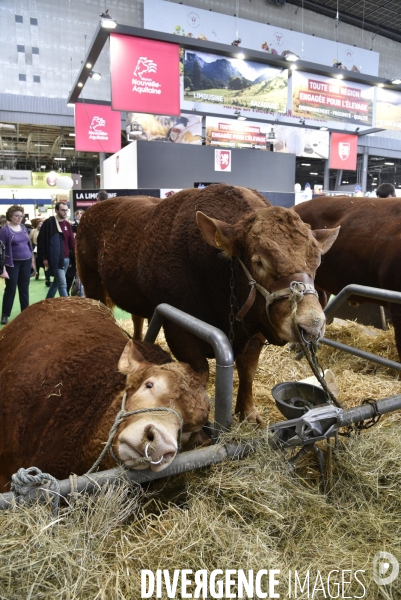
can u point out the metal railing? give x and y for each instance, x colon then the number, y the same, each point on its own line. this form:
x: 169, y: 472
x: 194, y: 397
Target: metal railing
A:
x: 365, y: 292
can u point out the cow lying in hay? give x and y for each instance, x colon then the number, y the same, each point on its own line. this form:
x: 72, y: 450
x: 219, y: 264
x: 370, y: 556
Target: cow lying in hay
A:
x: 139, y: 254
x: 64, y: 367
x: 367, y: 249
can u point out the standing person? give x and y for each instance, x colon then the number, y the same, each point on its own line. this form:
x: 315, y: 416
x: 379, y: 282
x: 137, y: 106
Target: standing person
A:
x: 55, y: 242
x: 19, y: 261
x: 77, y: 217
x: 386, y: 190
x: 102, y: 195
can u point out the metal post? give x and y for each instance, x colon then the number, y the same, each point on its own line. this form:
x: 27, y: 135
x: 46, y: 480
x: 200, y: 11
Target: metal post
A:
x: 364, y: 179
x: 339, y: 177
x: 102, y: 158
x: 326, y: 175
x: 222, y: 351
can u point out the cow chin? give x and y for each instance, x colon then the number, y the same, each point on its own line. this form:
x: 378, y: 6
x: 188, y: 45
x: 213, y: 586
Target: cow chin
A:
x: 145, y: 443
x: 309, y: 319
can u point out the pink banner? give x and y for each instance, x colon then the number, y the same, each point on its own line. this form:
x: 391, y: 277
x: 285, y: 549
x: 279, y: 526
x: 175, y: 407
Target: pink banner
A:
x: 145, y: 75
x: 97, y: 128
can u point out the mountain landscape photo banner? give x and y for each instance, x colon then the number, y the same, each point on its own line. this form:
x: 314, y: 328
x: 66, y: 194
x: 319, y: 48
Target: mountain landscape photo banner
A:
x: 233, y: 84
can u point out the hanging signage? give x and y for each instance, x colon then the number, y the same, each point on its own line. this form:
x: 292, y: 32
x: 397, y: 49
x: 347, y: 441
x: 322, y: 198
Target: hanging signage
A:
x: 331, y: 99
x: 55, y: 180
x: 343, y: 151
x: 10, y: 178
x: 145, y: 75
x: 234, y: 84
x: 186, y: 20
x: 222, y: 160
x: 185, y: 129
x: 97, y: 128
x: 388, y: 109
x: 236, y: 134
x: 301, y: 141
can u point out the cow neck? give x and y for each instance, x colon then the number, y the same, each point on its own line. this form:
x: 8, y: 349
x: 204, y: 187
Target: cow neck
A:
x: 285, y: 287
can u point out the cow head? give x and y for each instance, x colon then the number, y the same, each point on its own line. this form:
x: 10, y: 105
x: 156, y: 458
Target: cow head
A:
x: 277, y: 248
x: 151, y: 438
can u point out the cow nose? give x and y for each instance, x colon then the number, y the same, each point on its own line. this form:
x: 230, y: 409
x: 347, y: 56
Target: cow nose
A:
x: 160, y: 446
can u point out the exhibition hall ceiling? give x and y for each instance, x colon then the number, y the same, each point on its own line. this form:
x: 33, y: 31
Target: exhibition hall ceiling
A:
x: 378, y: 16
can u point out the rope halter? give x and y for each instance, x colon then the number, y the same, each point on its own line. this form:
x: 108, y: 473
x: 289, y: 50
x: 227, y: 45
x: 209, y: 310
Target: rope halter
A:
x: 123, y: 415
x: 294, y: 287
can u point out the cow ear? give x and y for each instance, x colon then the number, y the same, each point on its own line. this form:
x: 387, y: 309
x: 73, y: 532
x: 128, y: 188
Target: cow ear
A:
x: 131, y: 359
x: 216, y: 233
x: 326, y: 238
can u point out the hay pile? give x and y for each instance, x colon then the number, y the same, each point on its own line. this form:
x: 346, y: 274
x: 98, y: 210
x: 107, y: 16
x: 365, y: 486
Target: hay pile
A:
x: 253, y: 514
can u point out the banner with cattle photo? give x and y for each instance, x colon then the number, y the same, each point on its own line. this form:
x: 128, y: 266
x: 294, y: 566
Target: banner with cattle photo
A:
x: 185, y: 129
x: 331, y: 99
x: 388, y: 109
x: 223, y: 84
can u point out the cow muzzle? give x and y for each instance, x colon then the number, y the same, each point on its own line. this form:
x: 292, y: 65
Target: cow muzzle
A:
x: 293, y: 287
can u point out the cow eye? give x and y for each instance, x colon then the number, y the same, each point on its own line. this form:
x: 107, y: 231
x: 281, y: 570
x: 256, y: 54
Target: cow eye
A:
x: 149, y: 384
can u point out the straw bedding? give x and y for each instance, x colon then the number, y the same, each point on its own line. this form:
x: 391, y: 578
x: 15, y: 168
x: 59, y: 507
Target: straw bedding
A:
x: 259, y: 513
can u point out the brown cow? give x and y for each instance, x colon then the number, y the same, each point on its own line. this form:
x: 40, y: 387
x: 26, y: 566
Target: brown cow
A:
x: 64, y: 367
x: 177, y: 251
x: 367, y: 251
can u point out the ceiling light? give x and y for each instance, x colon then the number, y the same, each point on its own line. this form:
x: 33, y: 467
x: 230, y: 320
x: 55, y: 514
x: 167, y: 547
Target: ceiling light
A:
x: 389, y: 163
x: 80, y: 84
x: 339, y: 76
x: 95, y: 75
x: 241, y: 56
x: 43, y: 166
x: 345, y: 182
x: 241, y: 118
x: 67, y: 148
x: 374, y: 178
x: 313, y: 173
x: 108, y: 23
x: 70, y: 105
x: 45, y: 145
x: 59, y: 158
x: 88, y: 65
x: 380, y: 84
x: 395, y: 81
x: 292, y: 57
x: 71, y: 134
x: 305, y: 164
x: 323, y: 128
x: 293, y: 67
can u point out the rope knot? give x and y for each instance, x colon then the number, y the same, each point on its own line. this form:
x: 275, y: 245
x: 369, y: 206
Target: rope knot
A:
x: 26, y: 480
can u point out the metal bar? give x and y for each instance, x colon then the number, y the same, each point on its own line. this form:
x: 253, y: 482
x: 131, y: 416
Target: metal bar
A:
x: 222, y: 351
x: 385, y: 362
x: 187, y: 461
x: 366, y: 411
x: 365, y: 292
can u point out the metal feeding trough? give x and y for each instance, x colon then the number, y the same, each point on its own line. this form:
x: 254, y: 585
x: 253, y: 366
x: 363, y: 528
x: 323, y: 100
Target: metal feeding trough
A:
x: 294, y: 398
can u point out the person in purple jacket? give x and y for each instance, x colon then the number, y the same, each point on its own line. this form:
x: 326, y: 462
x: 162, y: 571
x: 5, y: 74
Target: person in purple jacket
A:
x: 19, y: 261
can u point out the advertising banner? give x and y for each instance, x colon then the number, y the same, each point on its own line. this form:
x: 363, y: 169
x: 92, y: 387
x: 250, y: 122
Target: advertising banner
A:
x: 10, y: 178
x: 183, y: 20
x: 97, y: 128
x: 145, y: 75
x: 319, y: 97
x: 301, y: 141
x: 222, y: 160
x: 388, y: 109
x: 211, y: 79
x: 185, y: 129
x: 53, y: 180
x: 343, y: 151
x: 236, y: 134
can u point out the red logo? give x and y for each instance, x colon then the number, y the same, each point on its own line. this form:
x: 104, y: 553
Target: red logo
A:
x: 145, y: 75
x: 222, y: 160
x: 344, y: 150
x: 97, y: 128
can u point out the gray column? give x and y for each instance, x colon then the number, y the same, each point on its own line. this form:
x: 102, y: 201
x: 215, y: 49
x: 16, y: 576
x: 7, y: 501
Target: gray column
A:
x: 364, y: 178
x: 326, y: 175
x: 339, y: 177
x: 102, y: 158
